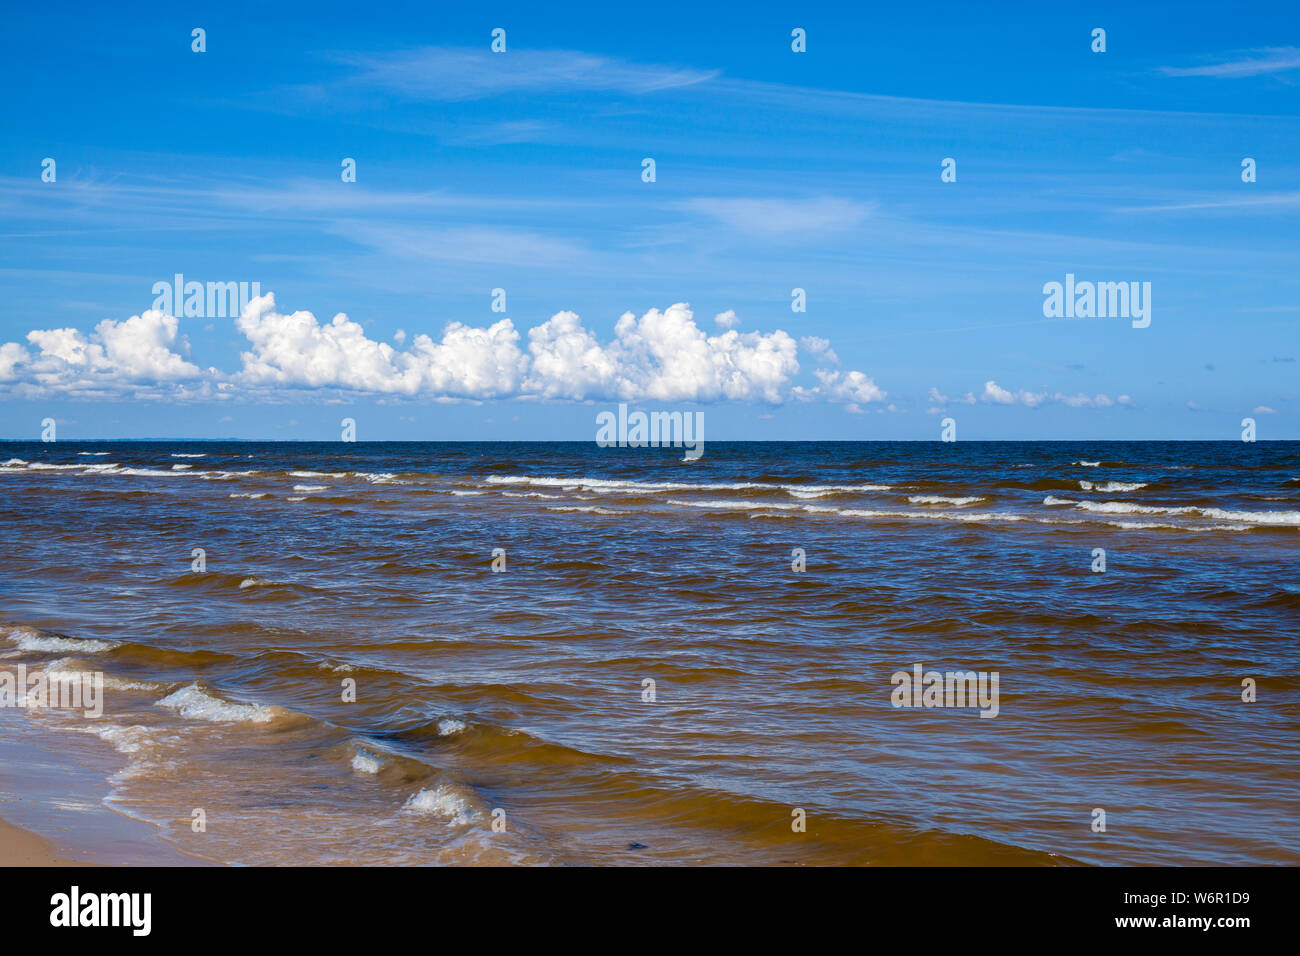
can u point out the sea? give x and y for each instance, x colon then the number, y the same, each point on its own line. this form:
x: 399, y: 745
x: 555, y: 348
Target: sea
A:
x: 552, y: 653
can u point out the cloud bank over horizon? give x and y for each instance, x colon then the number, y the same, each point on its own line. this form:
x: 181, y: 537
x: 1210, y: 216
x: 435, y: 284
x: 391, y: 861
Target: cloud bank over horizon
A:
x: 661, y: 356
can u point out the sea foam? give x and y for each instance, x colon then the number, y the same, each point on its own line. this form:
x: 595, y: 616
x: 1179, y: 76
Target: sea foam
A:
x: 196, y: 703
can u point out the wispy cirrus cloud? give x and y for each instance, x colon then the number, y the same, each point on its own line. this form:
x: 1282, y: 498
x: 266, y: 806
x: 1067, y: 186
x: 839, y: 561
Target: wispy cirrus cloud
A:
x: 1265, y: 201
x: 499, y: 134
x: 454, y: 73
x: 204, y: 204
x: 772, y: 217
x: 1272, y: 60
x: 480, y: 244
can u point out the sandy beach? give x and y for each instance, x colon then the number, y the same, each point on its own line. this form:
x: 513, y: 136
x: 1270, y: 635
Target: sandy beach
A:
x: 20, y: 847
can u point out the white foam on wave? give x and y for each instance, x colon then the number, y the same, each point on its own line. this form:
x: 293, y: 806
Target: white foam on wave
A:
x: 1112, y: 486
x: 1131, y: 508
x: 248, y: 494
x: 449, y: 726
x: 92, y: 454
x: 195, y: 703
x: 159, y: 473
x: 829, y: 489
x: 121, y: 683
x: 1222, y: 514
x: 467, y: 494
x: 363, y: 762
x: 1087, y: 464
x: 255, y: 582
x: 181, y: 455
x: 588, y: 509
x: 821, y: 491
x: 1143, y: 525
x: 28, y: 639
x: 614, y: 485
x: 127, y: 740
x: 310, y: 488
x: 442, y: 801
x: 378, y: 477
x: 140, y: 744
x: 968, y: 516
x: 180, y: 467
x: 1190, y: 528
x: 721, y: 504
x: 1254, y: 517
x: 318, y: 474
x: 942, y: 500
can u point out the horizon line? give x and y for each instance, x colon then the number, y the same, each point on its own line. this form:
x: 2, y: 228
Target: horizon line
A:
x: 580, y: 441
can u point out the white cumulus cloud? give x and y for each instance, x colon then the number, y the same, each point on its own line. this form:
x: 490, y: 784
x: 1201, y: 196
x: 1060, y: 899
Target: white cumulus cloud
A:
x: 298, y: 351
x: 995, y: 394
x: 659, y: 356
x: 665, y: 357
x: 821, y: 348
x: 837, y: 386
x: 146, y: 349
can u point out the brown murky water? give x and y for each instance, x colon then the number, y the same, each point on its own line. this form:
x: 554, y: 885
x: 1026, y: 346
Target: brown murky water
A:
x: 520, y: 696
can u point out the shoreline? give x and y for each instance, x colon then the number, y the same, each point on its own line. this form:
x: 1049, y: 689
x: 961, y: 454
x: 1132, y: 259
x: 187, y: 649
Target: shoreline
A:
x: 52, y: 812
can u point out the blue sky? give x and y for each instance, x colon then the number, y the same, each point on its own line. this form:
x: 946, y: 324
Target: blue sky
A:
x: 775, y: 170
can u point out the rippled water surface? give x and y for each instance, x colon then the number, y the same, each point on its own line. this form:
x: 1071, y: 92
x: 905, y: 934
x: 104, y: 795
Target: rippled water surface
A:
x: 520, y: 695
